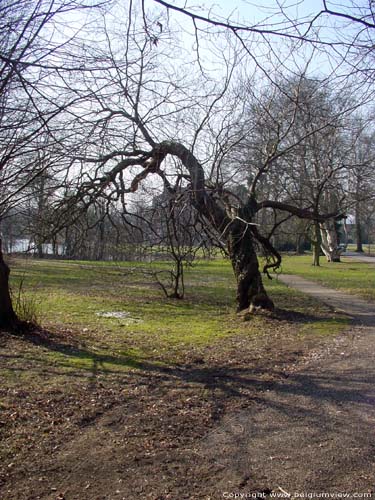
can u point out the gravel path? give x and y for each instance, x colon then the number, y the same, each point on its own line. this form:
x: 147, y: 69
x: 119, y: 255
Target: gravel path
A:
x: 313, y: 433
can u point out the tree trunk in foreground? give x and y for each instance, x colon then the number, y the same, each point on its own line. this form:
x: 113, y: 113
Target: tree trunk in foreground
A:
x: 8, y: 318
x: 250, y: 290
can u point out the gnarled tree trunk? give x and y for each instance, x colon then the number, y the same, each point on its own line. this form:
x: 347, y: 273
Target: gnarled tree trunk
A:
x: 8, y: 318
x: 238, y: 235
x: 250, y: 290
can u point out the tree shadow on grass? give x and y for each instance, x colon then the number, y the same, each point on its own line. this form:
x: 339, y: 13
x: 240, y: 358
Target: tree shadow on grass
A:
x: 300, y: 317
x: 77, y: 355
x: 66, y: 344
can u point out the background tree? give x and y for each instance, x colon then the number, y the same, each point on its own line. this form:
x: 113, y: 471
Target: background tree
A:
x: 296, y: 150
x: 361, y: 178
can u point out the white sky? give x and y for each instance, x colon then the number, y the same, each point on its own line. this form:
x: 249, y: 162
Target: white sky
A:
x: 255, y: 11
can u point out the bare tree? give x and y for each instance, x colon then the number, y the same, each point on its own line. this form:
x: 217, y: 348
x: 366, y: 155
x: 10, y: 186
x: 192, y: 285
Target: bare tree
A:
x: 34, y: 55
x: 305, y: 138
x: 155, y: 126
x: 342, y: 32
x: 133, y: 107
x: 361, y: 178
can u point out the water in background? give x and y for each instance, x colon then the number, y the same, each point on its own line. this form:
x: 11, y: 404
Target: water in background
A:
x: 27, y: 246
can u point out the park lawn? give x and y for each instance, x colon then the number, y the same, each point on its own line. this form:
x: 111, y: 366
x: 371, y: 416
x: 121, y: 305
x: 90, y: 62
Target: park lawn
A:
x: 113, y: 317
x: 357, y: 278
x: 81, y: 296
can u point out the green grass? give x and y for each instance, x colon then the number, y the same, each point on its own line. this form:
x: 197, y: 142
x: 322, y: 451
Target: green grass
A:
x: 325, y: 327
x: 357, y: 278
x: 73, y: 295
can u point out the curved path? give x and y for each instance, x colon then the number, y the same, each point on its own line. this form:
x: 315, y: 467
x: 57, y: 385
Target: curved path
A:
x: 361, y: 311
x: 360, y: 257
x: 313, y: 433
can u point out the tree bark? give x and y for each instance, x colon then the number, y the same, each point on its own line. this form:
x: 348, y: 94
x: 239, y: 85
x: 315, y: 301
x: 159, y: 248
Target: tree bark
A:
x: 358, y: 231
x: 359, y: 241
x: 316, y: 245
x: 329, y: 241
x: 40, y: 252
x: 8, y: 318
x: 250, y: 290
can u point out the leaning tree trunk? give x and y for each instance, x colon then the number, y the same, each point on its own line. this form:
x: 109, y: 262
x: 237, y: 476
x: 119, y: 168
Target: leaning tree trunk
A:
x: 8, y: 318
x: 329, y: 242
x: 250, y: 290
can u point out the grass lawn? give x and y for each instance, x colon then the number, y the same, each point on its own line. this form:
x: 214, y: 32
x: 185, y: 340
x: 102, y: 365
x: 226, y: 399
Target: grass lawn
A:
x: 114, y: 318
x: 82, y: 296
x: 353, y: 277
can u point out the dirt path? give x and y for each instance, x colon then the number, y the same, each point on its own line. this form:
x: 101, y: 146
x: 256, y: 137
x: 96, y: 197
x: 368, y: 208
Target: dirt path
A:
x: 314, y: 432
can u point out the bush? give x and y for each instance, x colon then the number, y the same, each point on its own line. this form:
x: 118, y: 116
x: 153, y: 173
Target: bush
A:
x: 25, y: 305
